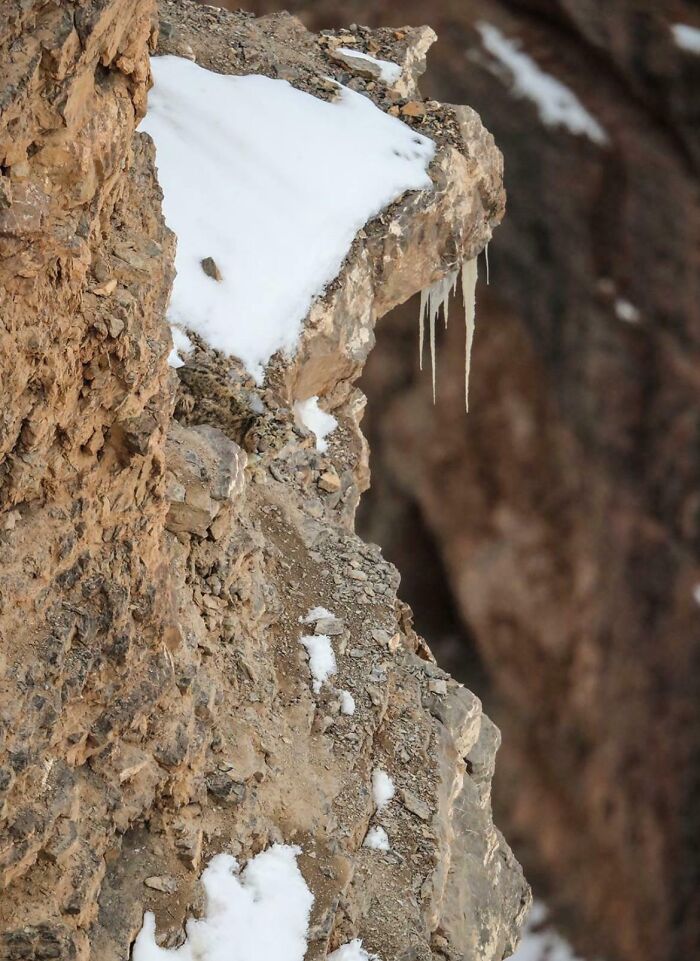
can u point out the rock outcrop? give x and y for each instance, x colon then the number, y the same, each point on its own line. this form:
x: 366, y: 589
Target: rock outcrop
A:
x: 565, y: 510
x: 163, y: 534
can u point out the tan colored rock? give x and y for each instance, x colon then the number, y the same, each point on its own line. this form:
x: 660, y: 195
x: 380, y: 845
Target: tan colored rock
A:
x: 156, y: 700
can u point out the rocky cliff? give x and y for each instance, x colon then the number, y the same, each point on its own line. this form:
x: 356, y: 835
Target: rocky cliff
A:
x: 164, y: 533
x: 565, y: 511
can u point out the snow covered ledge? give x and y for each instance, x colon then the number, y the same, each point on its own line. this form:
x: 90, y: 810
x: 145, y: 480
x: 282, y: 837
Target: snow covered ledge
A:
x: 413, y: 243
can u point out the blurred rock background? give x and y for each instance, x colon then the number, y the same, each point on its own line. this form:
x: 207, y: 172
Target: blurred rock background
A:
x: 549, y: 541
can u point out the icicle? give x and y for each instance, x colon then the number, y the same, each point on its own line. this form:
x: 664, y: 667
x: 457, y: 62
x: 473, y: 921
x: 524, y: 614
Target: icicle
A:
x: 488, y: 270
x: 421, y: 326
x: 469, y: 275
x: 432, y: 300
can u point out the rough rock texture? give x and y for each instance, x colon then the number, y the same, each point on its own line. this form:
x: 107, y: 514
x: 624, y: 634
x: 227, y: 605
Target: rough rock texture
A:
x: 566, y: 509
x: 155, y: 703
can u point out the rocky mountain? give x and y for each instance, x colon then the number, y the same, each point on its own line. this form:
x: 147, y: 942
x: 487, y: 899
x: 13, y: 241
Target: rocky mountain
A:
x: 168, y: 538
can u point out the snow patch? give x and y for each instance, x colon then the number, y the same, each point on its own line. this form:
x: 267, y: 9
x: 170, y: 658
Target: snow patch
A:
x: 540, y: 942
x: 316, y: 420
x: 388, y: 72
x: 383, y: 788
x: 686, y: 37
x: 261, y: 914
x: 272, y: 185
x: 626, y: 311
x: 181, y: 345
x: 352, y: 951
x: 315, y: 614
x: 557, y: 104
x: 696, y: 594
x: 377, y: 839
x: 347, y: 703
x: 321, y: 658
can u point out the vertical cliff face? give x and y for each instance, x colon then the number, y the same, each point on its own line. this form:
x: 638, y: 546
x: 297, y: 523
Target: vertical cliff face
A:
x: 566, y: 509
x: 164, y: 535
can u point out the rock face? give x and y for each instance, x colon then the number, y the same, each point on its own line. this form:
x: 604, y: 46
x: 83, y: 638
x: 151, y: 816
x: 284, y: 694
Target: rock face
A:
x: 163, y: 534
x: 566, y: 509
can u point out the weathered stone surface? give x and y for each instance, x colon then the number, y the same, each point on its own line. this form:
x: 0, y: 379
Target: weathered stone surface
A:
x: 565, y: 509
x: 156, y: 705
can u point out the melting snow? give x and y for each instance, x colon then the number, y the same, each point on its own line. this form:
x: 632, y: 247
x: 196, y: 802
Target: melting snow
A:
x: 353, y: 951
x: 377, y: 839
x: 383, y: 788
x: 315, y: 614
x: 316, y: 420
x: 686, y: 37
x: 347, y: 702
x: 272, y: 184
x: 557, y: 104
x: 541, y: 943
x: 626, y: 311
x: 321, y: 658
x: 181, y: 345
x: 259, y: 914
x: 388, y: 72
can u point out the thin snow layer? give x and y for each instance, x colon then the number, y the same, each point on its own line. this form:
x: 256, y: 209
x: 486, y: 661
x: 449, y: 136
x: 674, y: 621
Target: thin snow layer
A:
x: 261, y: 914
x: 321, y: 658
x: 272, y: 184
x: 383, y: 788
x: 316, y: 420
x: 377, y: 839
x: 541, y: 943
x: 347, y: 703
x: 626, y: 311
x: 181, y: 345
x: 557, y: 104
x: 353, y: 951
x: 388, y: 72
x: 315, y: 614
x: 686, y: 37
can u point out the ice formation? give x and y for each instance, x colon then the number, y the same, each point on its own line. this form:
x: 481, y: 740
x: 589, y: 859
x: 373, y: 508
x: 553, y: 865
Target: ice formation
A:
x: 436, y: 298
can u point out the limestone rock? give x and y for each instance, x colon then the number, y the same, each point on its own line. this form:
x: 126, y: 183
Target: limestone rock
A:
x: 164, y: 535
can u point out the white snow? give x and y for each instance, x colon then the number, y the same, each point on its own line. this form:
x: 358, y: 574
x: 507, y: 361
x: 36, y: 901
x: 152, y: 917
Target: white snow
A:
x: 261, y: 914
x: 316, y: 420
x: 273, y: 184
x: 696, y: 594
x: 377, y: 839
x: 545, y: 944
x: 321, y: 658
x: 383, y: 788
x: 352, y: 951
x: 315, y: 614
x: 181, y: 345
x: 626, y: 311
x: 389, y: 72
x: 347, y: 702
x: 557, y: 104
x: 258, y: 914
x: 686, y: 37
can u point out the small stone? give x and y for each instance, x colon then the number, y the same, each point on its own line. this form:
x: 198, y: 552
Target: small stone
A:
x: 437, y: 686
x: 162, y: 882
x: 415, y: 805
x: 332, y: 626
x: 116, y: 326
x: 211, y: 269
x: 105, y: 289
x: 414, y: 108
x: 329, y: 481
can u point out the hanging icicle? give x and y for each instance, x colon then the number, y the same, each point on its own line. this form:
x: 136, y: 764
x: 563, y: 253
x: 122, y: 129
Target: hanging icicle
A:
x: 469, y: 277
x: 436, y: 298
